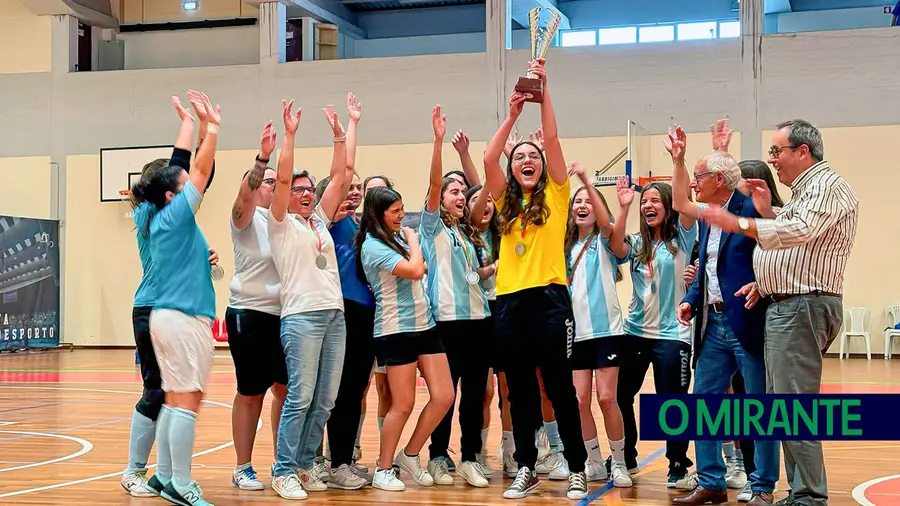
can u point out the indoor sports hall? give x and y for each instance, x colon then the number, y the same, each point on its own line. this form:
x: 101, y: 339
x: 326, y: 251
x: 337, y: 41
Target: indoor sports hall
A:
x: 86, y: 104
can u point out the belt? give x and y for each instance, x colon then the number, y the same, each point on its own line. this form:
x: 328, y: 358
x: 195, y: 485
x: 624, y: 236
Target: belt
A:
x: 717, y: 307
x: 779, y: 297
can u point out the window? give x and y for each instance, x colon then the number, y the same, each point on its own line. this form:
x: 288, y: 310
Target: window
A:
x: 579, y: 38
x: 623, y: 35
x: 694, y: 31
x: 657, y: 33
x: 729, y: 29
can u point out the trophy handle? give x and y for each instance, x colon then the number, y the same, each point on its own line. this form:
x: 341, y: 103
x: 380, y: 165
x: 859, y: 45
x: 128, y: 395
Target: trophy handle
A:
x: 532, y: 88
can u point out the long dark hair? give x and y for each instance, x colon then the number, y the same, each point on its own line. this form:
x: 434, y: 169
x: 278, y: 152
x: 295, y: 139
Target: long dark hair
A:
x: 475, y: 236
x: 669, y: 227
x: 572, y: 228
x: 757, y: 169
x: 537, y: 211
x: 378, y: 200
x: 156, y: 180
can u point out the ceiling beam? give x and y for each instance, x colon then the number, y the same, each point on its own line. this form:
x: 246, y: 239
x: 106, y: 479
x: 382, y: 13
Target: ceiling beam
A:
x: 83, y: 10
x: 520, y: 9
x: 323, y: 11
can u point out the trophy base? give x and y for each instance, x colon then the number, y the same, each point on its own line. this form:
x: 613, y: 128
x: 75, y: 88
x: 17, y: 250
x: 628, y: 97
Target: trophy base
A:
x: 532, y: 88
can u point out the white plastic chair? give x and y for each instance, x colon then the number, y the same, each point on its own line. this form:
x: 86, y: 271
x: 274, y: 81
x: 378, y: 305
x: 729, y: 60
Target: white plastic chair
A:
x: 858, y: 327
x: 891, y: 319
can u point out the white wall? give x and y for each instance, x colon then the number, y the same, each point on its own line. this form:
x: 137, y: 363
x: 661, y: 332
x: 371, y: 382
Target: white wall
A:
x: 203, y: 47
x: 428, y: 44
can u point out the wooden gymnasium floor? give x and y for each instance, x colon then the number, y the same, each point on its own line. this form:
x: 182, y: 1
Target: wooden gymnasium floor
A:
x: 64, y: 423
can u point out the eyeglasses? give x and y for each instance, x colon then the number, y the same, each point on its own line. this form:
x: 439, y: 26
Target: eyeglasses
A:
x: 520, y: 157
x: 698, y: 177
x: 302, y: 189
x: 269, y: 181
x: 775, y: 151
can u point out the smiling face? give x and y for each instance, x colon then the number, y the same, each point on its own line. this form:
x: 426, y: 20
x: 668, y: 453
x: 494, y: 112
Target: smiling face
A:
x: 786, y: 158
x: 303, y: 196
x: 583, y: 211
x: 488, y: 208
x: 653, y: 212
x: 527, y: 166
x: 453, y: 198
x: 705, y: 183
x: 354, y: 195
x: 393, y: 217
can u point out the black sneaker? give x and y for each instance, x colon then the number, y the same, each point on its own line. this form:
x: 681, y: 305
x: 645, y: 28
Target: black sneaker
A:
x: 526, y: 481
x: 577, y: 486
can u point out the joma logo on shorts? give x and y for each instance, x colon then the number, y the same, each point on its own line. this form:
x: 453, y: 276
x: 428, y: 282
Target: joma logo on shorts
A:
x: 570, y: 337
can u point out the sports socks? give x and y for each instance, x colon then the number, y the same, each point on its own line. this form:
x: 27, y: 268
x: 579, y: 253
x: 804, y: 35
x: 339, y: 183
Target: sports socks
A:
x: 143, y: 434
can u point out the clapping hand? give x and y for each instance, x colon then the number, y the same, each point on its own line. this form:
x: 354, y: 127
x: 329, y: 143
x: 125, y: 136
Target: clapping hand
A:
x: 183, y: 113
x: 676, y: 143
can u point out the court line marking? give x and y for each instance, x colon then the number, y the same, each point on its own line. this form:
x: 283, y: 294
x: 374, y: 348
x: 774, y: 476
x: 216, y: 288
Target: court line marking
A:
x: 605, y: 489
x: 66, y: 429
x: 859, y: 492
x: 86, y: 446
x: 31, y: 407
x: 117, y: 473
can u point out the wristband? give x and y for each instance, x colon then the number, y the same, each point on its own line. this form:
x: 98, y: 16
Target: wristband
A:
x: 261, y: 159
x: 338, y: 139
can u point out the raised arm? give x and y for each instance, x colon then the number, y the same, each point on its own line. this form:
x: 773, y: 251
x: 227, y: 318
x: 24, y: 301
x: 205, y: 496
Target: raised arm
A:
x: 439, y: 125
x: 556, y: 162
x: 602, y: 216
x: 285, y: 170
x: 242, y: 210
x: 186, y: 131
x: 625, y: 194
x: 461, y: 143
x: 354, y: 108
x: 414, y: 267
x: 688, y: 212
x: 494, y: 178
x: 339, y: 181
x: 203, y: 162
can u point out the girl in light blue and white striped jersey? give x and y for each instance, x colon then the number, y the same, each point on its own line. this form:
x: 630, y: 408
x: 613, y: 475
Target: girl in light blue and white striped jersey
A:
x: 459, y: 306
x: 658, y: 255
x: 388, y: 256
x: 593, y: 271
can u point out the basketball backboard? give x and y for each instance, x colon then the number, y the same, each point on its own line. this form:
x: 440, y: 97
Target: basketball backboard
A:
x: 121, y: 167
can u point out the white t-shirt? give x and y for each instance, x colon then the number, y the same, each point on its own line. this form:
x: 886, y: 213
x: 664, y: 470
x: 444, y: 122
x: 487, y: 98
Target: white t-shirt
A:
x: 255, y: 284
x: 295, y: 246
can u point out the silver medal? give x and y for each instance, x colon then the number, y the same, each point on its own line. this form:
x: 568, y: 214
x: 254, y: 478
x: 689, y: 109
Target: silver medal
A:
x: 217, y: 272
x: 472, y: 277
x: 321, y: 262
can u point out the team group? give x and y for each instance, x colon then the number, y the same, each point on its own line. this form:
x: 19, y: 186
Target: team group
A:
x: 510, y: 277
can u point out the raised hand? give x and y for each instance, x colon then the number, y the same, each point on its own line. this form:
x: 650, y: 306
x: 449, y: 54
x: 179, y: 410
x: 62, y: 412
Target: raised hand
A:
x: 721, y: 135
x: 182, y: 112
x: 291, y: 121
x: 461, y: 141
x: 676, y: 143
x: 336, y: 128
x: 536, y: 67
x: 576, y: 169
x: 537, y: 137
x: 267, y: 141
x: 213, y: 114
x: 438, y: 122
x: 624, y: 191
x: 511, y: 142
x: 762, y: 197
x: 516, y: 103
x: 353, y: 107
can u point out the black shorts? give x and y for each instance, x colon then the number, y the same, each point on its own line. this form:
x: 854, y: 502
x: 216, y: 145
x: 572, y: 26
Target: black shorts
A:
x: 254, y: 339
x: 596, y: 353
x: 407, y: 347
x: 140, y: 322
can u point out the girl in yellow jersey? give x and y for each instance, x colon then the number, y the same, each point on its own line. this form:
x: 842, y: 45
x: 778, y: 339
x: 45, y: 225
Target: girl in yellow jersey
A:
x: 534, y: 322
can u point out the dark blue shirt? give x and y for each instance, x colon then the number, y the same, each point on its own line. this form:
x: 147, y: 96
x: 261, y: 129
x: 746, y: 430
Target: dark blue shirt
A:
x: 343, y: 232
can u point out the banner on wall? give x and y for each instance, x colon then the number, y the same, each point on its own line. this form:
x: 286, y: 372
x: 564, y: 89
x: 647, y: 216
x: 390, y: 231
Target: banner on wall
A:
x: 29, y: 283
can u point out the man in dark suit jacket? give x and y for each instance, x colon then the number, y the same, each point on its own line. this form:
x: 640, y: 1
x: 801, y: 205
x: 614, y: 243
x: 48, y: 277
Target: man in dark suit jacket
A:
x: 729, y: 320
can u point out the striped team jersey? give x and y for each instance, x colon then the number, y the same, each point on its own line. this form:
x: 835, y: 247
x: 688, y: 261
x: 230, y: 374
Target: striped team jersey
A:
x: 450, y: 256
x: 595, y: 302
x: 401, y: 305
x: 654, y: 299
x: 485, y: 253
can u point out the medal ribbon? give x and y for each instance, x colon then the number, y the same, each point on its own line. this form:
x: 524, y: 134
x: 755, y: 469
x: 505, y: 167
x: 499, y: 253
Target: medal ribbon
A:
x: 522, y: 219
x: 465, y: 247
x: 652, y: 257
x: 315, y: 230
x: 587, y: 243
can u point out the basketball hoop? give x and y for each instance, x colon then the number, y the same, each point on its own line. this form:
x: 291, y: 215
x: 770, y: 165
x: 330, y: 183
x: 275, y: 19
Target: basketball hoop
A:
x: 126, y: 196
x: 125, y: 193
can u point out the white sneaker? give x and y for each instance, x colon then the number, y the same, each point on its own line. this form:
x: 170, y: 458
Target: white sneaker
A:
x: 746, y: 494
x: 321, y: 469
x: 526, y: 481
x: 244, y: 477
x: 473, y: 473
x: 344, y: 478
x: 510, y: 466
x: 311, y: 482
x: 689, y: 482
x: 135, y: 483
x: 555, y: 465
x: 440, y: 471
x: 735, y: 476
x: 482, y: 459
x: 413, y: 466
x: 577, y: 486
x: 288, y: 487
x: 620, y: 476
x: 595, y: 471
x: 386, y: 479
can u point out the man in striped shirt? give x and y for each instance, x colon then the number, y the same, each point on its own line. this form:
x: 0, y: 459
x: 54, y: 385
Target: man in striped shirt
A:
x: 799, y: 263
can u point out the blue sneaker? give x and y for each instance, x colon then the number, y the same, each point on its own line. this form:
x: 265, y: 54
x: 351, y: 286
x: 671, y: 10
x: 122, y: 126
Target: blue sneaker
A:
x: 244, y: 478
x: 192, y: 497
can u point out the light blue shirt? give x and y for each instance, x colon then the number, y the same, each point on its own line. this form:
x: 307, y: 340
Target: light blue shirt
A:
x: 595, y: 302
x: 180, y: 254
x: 144, y: 296
x: 401, y: 305
x: 655, y: 298
x: 450, y: 256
